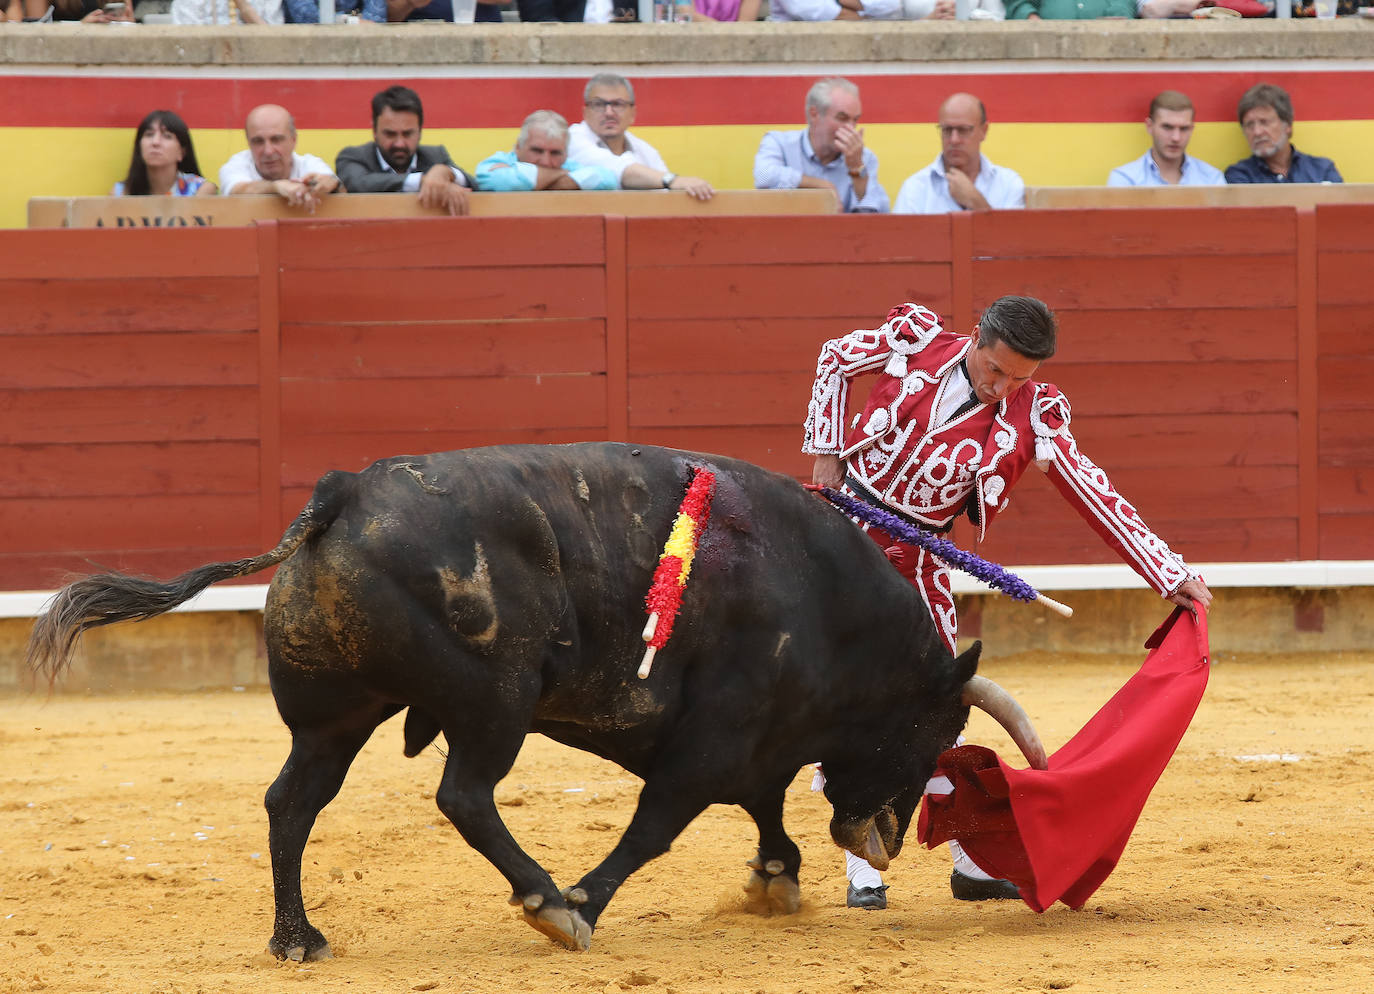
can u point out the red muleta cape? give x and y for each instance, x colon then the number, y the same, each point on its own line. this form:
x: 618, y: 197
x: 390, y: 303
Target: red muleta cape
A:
x: 1058, y: 833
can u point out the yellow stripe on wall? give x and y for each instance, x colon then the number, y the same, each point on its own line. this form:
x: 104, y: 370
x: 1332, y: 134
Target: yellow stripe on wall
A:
x: 85, y: 162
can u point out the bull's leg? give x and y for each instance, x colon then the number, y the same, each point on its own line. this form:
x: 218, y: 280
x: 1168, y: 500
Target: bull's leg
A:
x: 666, y: 807
x: 772, y: 885
x: 465, y: 797
x: 309, y: 780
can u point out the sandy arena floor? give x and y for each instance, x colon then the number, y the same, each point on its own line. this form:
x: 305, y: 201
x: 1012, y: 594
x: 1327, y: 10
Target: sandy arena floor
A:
x: 133, y: 858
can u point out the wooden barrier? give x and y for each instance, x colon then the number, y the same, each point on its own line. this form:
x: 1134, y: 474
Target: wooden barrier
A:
x: 206, y: 212
x: 1240, y: 195
x: 171, y: 398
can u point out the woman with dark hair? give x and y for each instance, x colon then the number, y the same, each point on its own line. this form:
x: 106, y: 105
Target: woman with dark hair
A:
x: 164, y: 161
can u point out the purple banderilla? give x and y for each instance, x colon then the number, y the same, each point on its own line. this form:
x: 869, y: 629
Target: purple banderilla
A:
x: 990, y: 573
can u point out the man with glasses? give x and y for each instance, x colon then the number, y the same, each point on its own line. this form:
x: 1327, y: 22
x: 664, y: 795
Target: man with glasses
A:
x: 961, y: 178
x: 602, y: 138
x: 1265, y: 114
x: 828, y: 154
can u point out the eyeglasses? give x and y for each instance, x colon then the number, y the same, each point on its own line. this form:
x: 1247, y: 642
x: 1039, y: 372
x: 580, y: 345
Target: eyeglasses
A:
x: 950, y: 130
x: 616, y: 105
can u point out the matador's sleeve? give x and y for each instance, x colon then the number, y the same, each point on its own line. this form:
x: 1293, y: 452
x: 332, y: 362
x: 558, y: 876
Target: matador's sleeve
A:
x: 908, y: 329
x: 1087, y: 488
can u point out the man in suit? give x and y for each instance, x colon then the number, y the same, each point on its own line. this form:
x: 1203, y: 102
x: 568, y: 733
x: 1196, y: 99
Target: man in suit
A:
x: 395, y: 161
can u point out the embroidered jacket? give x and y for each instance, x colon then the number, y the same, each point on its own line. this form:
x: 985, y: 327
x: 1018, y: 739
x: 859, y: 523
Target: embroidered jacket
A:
x: 931, y: 473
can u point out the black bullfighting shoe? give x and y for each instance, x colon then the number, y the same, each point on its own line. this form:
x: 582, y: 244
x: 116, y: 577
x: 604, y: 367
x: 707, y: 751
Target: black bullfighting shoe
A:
x: 966, y: 888
x: 869, y: 898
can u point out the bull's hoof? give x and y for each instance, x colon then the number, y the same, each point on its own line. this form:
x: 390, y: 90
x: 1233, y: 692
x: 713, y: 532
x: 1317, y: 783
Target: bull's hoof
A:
x: 772, y: 895
x: 564, y: 926
x: 305, y: 948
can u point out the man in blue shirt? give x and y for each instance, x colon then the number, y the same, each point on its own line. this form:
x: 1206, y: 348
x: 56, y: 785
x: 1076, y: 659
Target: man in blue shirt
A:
x: 540, y: 161
x: 1266, y: 116
x: 829, y: 154
x: 961, y: 178
x: 1170, y: 127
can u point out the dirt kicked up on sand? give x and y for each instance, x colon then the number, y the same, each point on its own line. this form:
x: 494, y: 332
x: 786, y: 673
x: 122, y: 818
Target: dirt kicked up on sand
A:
x: 133, y: 857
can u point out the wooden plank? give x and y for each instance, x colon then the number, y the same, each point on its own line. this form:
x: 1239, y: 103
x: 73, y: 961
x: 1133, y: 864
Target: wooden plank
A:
x: 441, y: 243
x: 775, y: 447
x: 90, y: 523
x: 1344, y: 383
x: 1344, y: 227
x: 384, y: 295
x: 212, y: 213
x: 718, y: 399
x: 154, y: 414
x: 442, y: 348
x: 1346, y: 437
x: 47, y: 212
x: 128, y: 360
x: 49, y: 570
x: 325, y: 406
x: 742, y: 241
x: 1172, y: 442
x: 617, y: 349
x: 1344, y: 278
x: 1198, y: 541
x: 1306, y: 266
x: 1346, y: 536
x: 1345, y: 329
x: 785, y: 291
x: 1134, y: 233
x: 129, y: 469
x: 269, y: 383
x: 1346, y: 489
x: 1137, y: 283
x: 1176, y: 388
x: 128, y: 304
x: 961, y: 272
x: 1176, y: 197
x: 743, y: 345
x: 127, y: 255
x: 1203, y: 334
x: 307, y: 457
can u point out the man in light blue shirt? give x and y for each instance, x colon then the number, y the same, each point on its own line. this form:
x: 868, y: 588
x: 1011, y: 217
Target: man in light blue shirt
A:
x: 961, y: 178
x: 1170, y: 127
x: 829, y: 154
x: 540, y: 161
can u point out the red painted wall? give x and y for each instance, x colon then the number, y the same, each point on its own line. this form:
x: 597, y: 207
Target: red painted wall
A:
x: 153, y: 417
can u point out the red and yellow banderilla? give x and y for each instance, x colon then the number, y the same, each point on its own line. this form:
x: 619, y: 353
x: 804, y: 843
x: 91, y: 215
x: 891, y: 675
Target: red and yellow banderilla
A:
x: 670, y: 578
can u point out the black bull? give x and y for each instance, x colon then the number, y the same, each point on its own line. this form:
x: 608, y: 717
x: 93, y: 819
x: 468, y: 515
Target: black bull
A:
x: 499, y: 591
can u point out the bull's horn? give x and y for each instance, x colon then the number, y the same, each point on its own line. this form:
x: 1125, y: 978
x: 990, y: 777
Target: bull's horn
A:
x: 874, y: 850
x: 982, y: 693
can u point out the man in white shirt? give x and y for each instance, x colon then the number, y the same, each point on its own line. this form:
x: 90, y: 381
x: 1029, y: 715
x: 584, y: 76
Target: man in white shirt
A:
x: 835, y: 10
x: 270, y: 164
x: 602, y: 138
x: 1170, y: 127
x: 961, y: 177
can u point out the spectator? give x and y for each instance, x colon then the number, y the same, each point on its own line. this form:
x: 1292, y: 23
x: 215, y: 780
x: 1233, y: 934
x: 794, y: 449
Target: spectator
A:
x: 540, y: 161
x: 835, y: 10
x: 395, y: 161
x: 488, y: 11
x: 218, y: 12
x: 603, y: 138
x: 943, y: 10
x: 164, y: 161
x: 550, y: 10
x: 270, y: 164
x: 308, y: 11
x: 961, y: 177
x: 1266, y: 116
x: 746, y: 11
x: 1068, y: 10
x: 1170, y: 126
x: 828, y: 154
x: 85, y: 11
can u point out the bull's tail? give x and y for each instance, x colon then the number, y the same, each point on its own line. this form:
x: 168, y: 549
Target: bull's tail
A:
x: 108, y: 598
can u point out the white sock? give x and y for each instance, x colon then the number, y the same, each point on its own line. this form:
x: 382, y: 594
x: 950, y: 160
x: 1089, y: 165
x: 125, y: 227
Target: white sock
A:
x: 859, y: 873
x: 965, y: 865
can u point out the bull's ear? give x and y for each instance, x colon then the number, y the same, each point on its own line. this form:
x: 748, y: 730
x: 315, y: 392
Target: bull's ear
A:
x: 966, y: 663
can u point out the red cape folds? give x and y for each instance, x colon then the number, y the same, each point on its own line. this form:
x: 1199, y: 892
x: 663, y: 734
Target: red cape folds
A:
x: 1058, y: 833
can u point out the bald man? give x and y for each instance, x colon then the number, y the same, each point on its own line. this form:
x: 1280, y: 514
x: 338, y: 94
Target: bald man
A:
x: 962, y: 178
x: 270, y: 164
